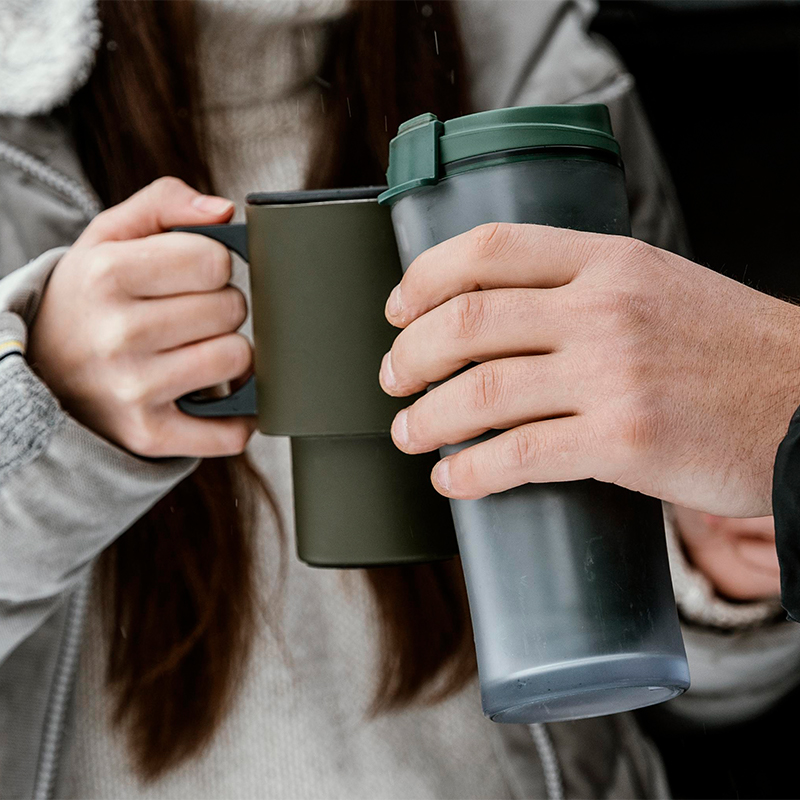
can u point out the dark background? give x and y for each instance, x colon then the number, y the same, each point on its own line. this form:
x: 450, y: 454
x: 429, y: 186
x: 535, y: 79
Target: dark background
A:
x: 721, y: 84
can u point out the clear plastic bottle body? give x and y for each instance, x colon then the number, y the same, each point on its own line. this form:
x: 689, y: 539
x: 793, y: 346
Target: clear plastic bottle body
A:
x: 568, y: 583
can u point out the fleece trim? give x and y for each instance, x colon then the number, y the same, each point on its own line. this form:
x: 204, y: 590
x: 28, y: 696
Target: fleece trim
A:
x: 47, y: 50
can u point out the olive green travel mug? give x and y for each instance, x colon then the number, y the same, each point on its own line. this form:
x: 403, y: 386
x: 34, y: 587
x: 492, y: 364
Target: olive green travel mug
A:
x: 322, y: 264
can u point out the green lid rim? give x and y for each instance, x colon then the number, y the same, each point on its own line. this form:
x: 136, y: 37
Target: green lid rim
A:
x: 541, y: 152
x: 424, y: 150
x: 573, y: 115
x: 455, y: 146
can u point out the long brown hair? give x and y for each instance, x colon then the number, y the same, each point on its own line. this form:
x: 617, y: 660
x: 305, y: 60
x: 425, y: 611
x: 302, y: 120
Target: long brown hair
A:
x: 179, y: 586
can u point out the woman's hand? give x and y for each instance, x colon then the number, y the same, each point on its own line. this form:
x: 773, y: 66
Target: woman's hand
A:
x: 133, y: 318
x: 601, y: 357
x: 736, y: 555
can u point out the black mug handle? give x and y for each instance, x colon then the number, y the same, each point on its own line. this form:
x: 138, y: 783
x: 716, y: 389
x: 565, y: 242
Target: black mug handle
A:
x: 242, y: 402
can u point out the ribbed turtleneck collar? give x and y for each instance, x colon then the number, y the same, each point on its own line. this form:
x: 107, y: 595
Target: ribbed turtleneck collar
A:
x: 262, y: 106
x: 257, y: 51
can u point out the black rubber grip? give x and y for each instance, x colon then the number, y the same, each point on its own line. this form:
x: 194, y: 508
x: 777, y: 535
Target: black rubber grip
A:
x: 241, y: 403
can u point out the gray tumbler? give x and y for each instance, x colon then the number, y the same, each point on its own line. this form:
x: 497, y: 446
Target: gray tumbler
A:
x: 569, y: 585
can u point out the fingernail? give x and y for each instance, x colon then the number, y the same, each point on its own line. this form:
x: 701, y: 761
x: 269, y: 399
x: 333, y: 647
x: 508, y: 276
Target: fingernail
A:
x: 209, y: 204
x: 400, y: 428
x: 387, y: 373
x: 394, y: 305
x: 441, y: 475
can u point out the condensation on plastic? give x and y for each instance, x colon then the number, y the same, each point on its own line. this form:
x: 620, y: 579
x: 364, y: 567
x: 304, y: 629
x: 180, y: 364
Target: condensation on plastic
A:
x: 568, y: 583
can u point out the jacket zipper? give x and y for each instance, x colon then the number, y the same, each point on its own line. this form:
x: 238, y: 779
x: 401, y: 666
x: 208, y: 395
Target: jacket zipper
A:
x: 67, y: 664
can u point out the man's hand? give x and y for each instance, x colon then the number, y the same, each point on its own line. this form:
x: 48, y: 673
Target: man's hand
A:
x: 600, y: 357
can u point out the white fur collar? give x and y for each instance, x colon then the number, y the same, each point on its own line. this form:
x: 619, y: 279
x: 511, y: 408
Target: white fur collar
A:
x: 47, y: 51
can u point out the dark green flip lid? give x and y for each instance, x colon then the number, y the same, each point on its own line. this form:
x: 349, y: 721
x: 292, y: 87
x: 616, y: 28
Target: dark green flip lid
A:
x: 424, y: 146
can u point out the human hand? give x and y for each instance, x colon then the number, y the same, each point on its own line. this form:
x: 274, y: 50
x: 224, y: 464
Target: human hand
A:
x: 600, y: 357
x: 737, y: 556
x: 134, y: 317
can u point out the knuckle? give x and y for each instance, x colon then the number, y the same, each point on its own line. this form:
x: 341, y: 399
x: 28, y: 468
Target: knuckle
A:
x: 517, y: 450
x: 422, y: 421
x: 115, y: 338
x: 465, y: 471
x: 466, y: 315
x: 142, y: 438
x: 491, y: 240
x: 401, y: 351
x: 486, y: 387
x: 217, y: 262
x: 637, y: 424
x: 236, y: 438
x: 234, y: 308
x: 634, y: 252
x: 101, y: 264
x: 239, y: 353
x: 166, y: 184
x: 102, y: 223
x: 582, y: 244
x: 131, y: 390
x: 623, y: 310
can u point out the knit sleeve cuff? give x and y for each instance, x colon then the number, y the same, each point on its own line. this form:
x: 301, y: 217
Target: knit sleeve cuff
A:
x: 29, y: 414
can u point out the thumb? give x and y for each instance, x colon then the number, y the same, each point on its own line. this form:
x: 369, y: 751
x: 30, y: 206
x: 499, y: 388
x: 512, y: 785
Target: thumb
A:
x: 164, y: 204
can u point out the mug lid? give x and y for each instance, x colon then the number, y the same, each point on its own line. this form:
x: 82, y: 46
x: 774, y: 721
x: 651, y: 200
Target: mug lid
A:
x: 424, y: 146
x: 304, y: 196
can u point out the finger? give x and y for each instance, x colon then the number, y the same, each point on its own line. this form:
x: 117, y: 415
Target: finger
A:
x: 201, y: 365
x: 735, y: 576
x: 752, y: 527
x: 496, y: 395
x: 498, y: 255
x: 170, y: 322
x: 760, y: 555
x: 162, y: 205
x: 540, y: 452
x: 203, y: 438
x: 164, y: 264
x: 476, y: 326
